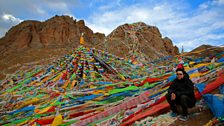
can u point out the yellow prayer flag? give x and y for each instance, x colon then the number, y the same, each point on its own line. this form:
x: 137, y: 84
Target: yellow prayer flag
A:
x: 81, y: 40
x: 57, y: 120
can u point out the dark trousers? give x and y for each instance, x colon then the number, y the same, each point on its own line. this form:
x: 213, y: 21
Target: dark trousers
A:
x: 184, y: 101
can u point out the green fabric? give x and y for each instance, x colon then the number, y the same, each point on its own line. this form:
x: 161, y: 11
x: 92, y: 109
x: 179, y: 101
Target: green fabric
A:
x: 15, y: 87
x: 111, y: 100
x: 58, y: 103
x: 114, y: 91
x: 73, y: 76
x: 25, y: 90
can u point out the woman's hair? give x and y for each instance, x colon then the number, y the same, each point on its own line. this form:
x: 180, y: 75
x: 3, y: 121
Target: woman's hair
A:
x: 180, y: 69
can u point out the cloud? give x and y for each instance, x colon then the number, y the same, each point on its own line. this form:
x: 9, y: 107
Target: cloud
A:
x: 186, y: 23
x: 6, y: 22
x: 186, y: 26
x: 219, y: 2
x: 11, y: 18
x: 12, y: 12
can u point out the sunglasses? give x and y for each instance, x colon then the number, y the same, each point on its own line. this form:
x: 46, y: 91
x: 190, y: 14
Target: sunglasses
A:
x: 179, y: 74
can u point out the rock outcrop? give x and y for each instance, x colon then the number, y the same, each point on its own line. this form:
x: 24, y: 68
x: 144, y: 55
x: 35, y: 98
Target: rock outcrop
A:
x: 57, y: 32
x: 139, y: 40
x: 62, y: 32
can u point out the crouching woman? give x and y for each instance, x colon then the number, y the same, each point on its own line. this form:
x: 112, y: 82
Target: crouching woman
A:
x: 181, y: 92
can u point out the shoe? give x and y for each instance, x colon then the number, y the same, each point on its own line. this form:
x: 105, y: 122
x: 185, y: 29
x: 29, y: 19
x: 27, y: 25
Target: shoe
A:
x: 173, y: 114
x: 183, y: 118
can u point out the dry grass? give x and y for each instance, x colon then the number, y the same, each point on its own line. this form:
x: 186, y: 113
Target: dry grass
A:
x: 31, y: 57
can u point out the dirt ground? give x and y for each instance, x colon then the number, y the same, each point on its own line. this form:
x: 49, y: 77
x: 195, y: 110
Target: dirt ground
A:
x: 199, y: 119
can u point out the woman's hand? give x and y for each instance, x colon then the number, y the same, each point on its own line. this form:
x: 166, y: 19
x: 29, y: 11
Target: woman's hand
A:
x: 173, y: 96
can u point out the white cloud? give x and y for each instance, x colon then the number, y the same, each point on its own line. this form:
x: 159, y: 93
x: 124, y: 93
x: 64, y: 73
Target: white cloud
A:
x: 6, y: 22
x: 184, y: 27
x: 220, y: 2
x: 11, y: 18
x: 177, y: 20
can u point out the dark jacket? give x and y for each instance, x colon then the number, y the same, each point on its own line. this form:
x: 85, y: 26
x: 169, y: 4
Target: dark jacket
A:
x: 184, y: 86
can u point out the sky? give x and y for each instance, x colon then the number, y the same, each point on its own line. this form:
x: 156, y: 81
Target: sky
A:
x: 188, y: 23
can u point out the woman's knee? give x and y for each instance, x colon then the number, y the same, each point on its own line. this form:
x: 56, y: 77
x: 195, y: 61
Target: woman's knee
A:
x: 184, y: 98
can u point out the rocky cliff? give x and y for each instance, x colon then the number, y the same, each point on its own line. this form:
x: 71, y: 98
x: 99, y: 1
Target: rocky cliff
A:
x: 63, y: 31
x: 139, y: 40
x: 57, y: 32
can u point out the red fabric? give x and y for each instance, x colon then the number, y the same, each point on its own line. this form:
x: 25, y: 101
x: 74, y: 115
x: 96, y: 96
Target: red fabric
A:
x: 45, y: 121
x: 149, y: 80
x: 52, y: 109
x: 166, y: 76
x: 90, y: 116
x: 197, y: 95
x: 77, y: 114
x: 213, y: 85
x: 54, y: 94
x: 64, y: 76
x: 149, y: 112
x: 138, y: 112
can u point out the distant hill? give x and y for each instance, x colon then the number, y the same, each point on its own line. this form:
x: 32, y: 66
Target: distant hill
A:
x: 205, y: 51
x: 202, y: 47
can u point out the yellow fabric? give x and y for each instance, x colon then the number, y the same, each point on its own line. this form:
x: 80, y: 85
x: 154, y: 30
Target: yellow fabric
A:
x: 57, y: 77
x: 98, y: 91
x: 84, y: 76
x: 92, y: 86
x: 28, y: 102
x: 121, y: 76
x: 92, y: 75
x: 57, y: 120
x: 81, y: 40
x: 200, y: 65
x: 195, y: 75
x: 45, y: 79
x: 73, y: 84
x: 44, y: 110
x: 191, y: 62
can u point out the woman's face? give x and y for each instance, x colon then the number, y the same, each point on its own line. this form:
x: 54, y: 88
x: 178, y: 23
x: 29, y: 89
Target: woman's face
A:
x: 180, y: 75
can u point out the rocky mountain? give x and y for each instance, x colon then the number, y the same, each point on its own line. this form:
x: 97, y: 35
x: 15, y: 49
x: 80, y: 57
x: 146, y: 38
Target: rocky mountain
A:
x: 57, y: 32
x: 139, y: 40
x: 63, y: 31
